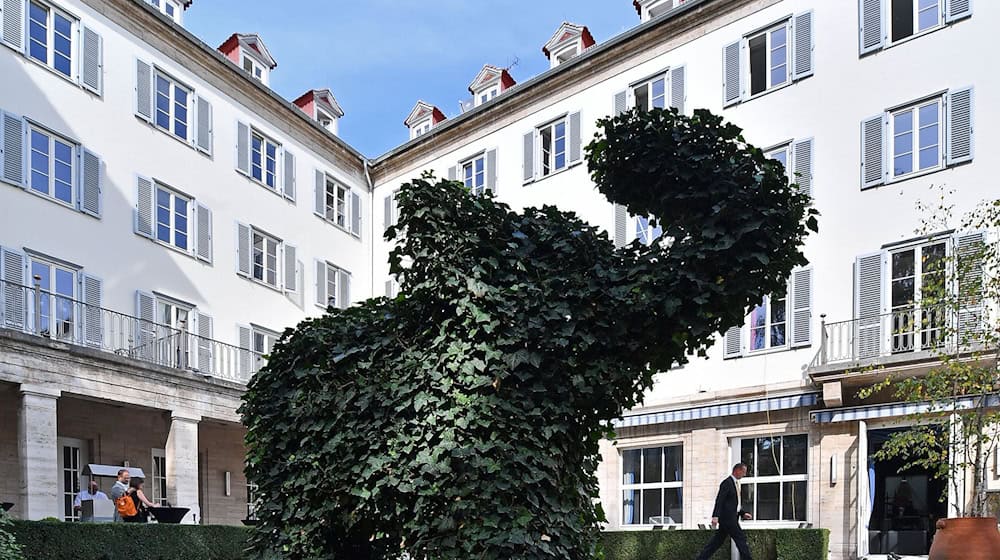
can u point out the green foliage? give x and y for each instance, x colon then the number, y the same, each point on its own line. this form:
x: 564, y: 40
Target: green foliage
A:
x: 462, y: 419
x: 131, y: 541
x: 9, y: 549
x: 769, y: 544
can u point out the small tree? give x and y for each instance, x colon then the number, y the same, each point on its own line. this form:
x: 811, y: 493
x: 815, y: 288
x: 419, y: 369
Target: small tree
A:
x: 10, y: 549
x: 955, y: 429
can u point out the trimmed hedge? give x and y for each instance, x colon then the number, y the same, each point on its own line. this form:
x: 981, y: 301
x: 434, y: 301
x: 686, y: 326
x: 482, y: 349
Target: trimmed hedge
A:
x: 53, y: 540
x: 765, y: 544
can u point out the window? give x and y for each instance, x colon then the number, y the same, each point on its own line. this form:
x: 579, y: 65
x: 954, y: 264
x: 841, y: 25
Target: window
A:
x: 916, y: 296
x: 333, y: 286
x: 253, y: 68
x: 553, y: 146
x: 251, y: 500
x: 57, y: 309
x: 263, y: 341
x: 885, y: 23
x: 72, y: 469
x: 169, y: 8
x: 50, y: 37
x: 652, y: 481
x: 651, y: 93
x: 774, y: 488
x: 52, y: 164
x: 336, y: 205
x: 158, y: 486
x: 917, y: 138
x: 172, y: 218
x: 264, y: 256
x: 264, y: 159
x: 769, y: 324
x: 474, y: 174
x: 173, y: 104
x: 645, y: 230
x: 912, y: 17
x: 768, y: 52
x: 566, y: 55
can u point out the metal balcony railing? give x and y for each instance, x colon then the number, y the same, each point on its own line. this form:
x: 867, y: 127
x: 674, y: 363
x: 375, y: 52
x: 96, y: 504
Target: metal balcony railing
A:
x: 39, y: 312
x: 907, y: 331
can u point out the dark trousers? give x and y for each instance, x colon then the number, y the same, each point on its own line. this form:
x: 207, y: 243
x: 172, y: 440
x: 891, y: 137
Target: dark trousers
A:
x: 719, y: 538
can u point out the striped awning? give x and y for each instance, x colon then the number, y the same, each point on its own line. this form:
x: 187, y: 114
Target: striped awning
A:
x: 892, y: 410
x: 716, y: 410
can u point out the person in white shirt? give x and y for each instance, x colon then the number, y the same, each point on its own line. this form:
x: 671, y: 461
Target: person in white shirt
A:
x: 90, y: 493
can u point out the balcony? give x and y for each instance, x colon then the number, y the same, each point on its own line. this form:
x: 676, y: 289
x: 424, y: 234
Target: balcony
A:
x: 909, y: 337
x: 38, y: 312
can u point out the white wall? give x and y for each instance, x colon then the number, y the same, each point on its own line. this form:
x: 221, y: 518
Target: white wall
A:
x: 109, y: 249
x: 828, y: 107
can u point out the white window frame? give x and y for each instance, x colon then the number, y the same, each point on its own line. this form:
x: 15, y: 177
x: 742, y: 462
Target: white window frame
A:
x: 916, y: 309
x: 251, y: 499
x: 324, y: 119
x: 332, y: 282
x: 645, y: 232
x: 50, y: 172
x: 914, y: 109
x: 768, y: 307
x: 939, y: 8
x: 648, y: 84
x: 50, y: 31
x: 780, y: 479
x: 268, y: 241
x: 420, y: 128
x: 256, y: 71
x: 172, y: 225
x: 173, y: 86
x: 551, y: 158
x: 158, y: 476
x: 640, y: 486
x: 265, y: 143
x: 786, y: 149
x: 49, y: 292
x: 568, y: 52
x: 486, y: 94
x: 785, y: 24
x: 474, y: 180
x: 333, y: 212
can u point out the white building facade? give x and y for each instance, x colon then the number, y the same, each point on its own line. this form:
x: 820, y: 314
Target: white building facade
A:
x: 180, y: 215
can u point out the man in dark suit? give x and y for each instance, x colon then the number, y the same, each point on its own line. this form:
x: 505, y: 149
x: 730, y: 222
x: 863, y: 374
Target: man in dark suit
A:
x: 727, y: 514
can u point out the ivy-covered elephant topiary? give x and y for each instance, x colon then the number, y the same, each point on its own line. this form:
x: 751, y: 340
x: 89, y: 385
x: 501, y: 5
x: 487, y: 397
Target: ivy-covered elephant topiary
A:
x: 461, y: 420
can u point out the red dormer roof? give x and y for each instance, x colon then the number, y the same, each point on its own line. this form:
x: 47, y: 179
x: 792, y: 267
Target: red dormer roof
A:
x: 250, y: 43
x: 566, y: 33
x: 421, y: 111
x: 322, y: 98
x: 490, y: 75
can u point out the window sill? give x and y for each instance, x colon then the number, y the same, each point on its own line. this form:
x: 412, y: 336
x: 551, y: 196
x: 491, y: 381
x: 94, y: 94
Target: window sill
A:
x: 53, y: 71
x: 68, y: 205
x: 768, y: 91
x: 173, y: 136
x: 174, y: 248
x: 541, y: 178
x: 275, y: 191
x: 915, y: 175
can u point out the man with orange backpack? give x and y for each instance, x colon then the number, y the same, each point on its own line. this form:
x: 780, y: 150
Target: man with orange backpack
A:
x: 119, y: 491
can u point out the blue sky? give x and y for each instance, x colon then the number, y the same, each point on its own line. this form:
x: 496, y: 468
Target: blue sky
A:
x: 380, y: 56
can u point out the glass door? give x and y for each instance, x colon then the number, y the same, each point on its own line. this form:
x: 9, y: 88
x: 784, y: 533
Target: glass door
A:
x: 175, y: 344
x: 916, y: 294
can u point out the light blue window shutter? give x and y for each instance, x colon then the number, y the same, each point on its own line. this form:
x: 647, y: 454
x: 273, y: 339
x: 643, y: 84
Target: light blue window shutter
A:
x: 801, y: 300
x: 91, y: 60
x: 872, y: 26
x: 621, y: 103
x: 491, y: 171
x: 13, y: 132
x: 12, y: 15
x: 244, y: 336
x: 204, y: 134
x: 575, y: 138
x: 802, y: 37
x: 15, y: 294
x: 144, y: 206
x: 802, y: 165
x: 146, y: 347
x: 529, y: 156
x: 868, y: 304
x: 732, y: 343
x: 389, y: 289
x: 388, y: 220
x: 144, y: 90
x: 955, y: 10
x: 90, y: 183
x: 873, y: 147
x: 91, y: 316
x: 355, y: 214
x: 205, y: 343
x: 960, y: 127
x: 291, y: 269
x: 243, y: 249
x: 203, y: 241
x: 321, y: 296
x: 970, y: 250
x: 243, y: 148
x: 453, y: 173
x: 621, y: 225
x: 344, y: 289
x: 732, y: 74
x: 289, y: 184
x: 678, y: 88
x: 319, y: 208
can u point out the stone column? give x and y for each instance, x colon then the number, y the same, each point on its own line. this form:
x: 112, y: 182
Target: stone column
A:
x: 706, y: 467
x: 182, y: 464
x: 37, y: 442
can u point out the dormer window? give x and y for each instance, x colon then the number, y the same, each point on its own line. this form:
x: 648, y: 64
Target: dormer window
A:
x: 422, y: 119
x: 170, y: 8
x: 489, y: 83
x: 320, y: 105
x: 568, y: 41
x: 649, y: 9
x: 253, y: 68
x: 247, y: 51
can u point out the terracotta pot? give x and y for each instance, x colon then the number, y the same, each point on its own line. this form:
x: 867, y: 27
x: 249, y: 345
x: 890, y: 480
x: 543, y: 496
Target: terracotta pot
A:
x: 966, y: 538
